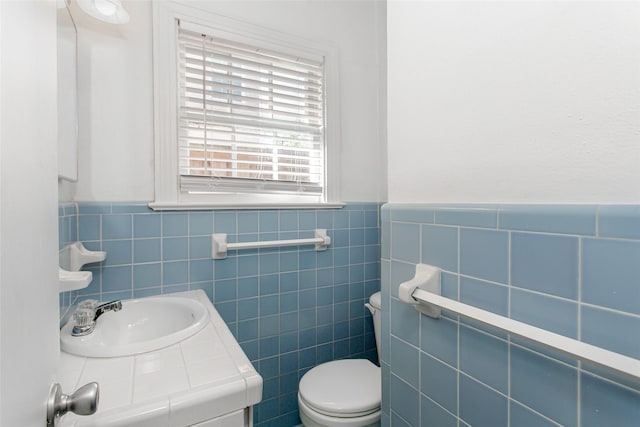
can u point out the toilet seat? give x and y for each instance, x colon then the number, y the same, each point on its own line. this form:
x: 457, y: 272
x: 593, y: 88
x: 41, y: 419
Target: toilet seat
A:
x: 342, y: 388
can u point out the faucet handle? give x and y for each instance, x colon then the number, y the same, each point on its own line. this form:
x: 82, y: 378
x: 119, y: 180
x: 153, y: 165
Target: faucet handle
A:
x: 88, y: 303
x: 83, y: 317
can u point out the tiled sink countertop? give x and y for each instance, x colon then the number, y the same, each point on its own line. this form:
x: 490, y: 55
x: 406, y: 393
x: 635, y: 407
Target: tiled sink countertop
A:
x: 203, y: 377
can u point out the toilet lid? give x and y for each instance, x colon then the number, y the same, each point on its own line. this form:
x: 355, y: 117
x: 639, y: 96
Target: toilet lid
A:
x: 349, y: 387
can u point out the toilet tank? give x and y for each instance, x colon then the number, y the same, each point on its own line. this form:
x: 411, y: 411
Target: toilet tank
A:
x: 374, y: 306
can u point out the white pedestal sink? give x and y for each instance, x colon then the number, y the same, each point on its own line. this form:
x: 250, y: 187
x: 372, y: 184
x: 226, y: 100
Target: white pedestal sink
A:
x: 142, y: 325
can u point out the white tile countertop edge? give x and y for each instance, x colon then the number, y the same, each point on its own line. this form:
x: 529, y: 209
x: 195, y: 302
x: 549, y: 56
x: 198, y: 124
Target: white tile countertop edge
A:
x: 203, y: 377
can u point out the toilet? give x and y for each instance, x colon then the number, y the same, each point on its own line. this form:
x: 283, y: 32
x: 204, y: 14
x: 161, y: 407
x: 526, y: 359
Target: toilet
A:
x: 344, y: 393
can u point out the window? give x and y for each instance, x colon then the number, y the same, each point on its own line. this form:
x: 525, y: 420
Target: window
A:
x: 243, y: 115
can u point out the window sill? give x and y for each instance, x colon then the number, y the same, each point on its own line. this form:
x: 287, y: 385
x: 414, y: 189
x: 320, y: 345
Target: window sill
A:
x: 163, y: 206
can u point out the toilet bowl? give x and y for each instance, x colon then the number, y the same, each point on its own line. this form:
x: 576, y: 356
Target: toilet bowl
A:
x: 343, y: 393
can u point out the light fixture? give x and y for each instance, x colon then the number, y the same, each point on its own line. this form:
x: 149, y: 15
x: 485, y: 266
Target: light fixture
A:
x: 110, y: 11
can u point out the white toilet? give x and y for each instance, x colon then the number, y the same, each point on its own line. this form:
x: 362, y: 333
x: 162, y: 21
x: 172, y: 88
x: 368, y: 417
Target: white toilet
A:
x: 344, y: 393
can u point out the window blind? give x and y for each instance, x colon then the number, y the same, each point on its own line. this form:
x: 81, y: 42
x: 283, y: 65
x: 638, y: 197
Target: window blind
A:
x: 249, y: 119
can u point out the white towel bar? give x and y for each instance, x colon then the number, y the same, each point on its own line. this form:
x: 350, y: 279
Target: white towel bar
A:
x: 604, y: 358
x: 219, y: 245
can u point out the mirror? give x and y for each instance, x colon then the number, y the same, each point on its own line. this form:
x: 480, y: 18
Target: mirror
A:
x: 67, y: 94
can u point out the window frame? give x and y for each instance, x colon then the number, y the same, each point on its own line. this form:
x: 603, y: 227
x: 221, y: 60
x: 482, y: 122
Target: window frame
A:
x: 168, y: 195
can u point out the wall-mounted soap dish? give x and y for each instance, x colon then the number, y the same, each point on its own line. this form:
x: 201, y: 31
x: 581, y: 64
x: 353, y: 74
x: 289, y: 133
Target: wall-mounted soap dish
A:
x: 71, y: 259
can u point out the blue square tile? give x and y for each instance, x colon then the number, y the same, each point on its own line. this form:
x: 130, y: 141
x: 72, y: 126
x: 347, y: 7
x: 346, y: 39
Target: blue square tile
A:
x: 307, y: 220
x: 227, y: 311
x: 201, y: 270
x: 289, y: 282
x: 434, y: 415
x: 405, y: 245
x: 371, y: 236
x: 484, y: 295
x: 356, y: 236
x: 146, y: 275
x: 146, y: 250
x: 405, y: 322
x: 404, y: 361
x: 307, y: 259
x: 268, y: 221
x: 307, y: 318
x: 439, y: 339
x: 468, y: 217
x: 269, y: 326
x: 225, y: 290
x: 200, y: 223
x: 269, y: 263
x: 564, y: 219
x: 247, y: 309
x: 288, y: 302
x: 438, y: 381
x: 324, y: 296
x: 116, y: 278
x: 146, y: 225
x: 324, y: 219
x: 89, y: 227
x: 484, y: 254
x: 288, y: 261
x: 371, y: 219
x: 553, y: 314
x: 610, y: 330
x: 247, y: 265
x: 289, y: 322
x: 340, y: 219
x: 269, y: 368
x: 268, y: 284
x: 324, y: 258
x: 269, y: 305
x: 307, y: 279
x: 484, y: 357
x: 224, y: 222
x: 288, y: 361
x: 480, y: 406
x: 248, y: 222
x: 174, y: 249
x: 545, y: 263
x: 405, y: 400
x: 607, y: 404
x: 118, y: 252
x: 440, y: 247
x: 324, y: 334
x: 225, y: 268
x: 289, y: 220
x: 339, y: 238
x: 544, y: 385
x: 247, y: 330
x: 247, y: 287
x: 324, y: 277
x: 175, y: 224
x: 341, y: 330
x: 307, y: 357
x: 307, y: 338
x: 200, y: 247
x: 610, y: 271
x: 289, y: 342
x: 340, y: 275
x: 307, y: 299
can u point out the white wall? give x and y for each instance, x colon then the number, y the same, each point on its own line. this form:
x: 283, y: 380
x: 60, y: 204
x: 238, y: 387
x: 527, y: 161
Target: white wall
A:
x: 521, y: 101
x: 28, y: 210
x: 116, y: 110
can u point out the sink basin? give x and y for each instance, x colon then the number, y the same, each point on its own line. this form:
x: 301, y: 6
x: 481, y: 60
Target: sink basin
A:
x: 143, y: 325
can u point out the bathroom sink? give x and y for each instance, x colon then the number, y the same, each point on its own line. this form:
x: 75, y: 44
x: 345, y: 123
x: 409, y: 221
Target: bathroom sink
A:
x: 142, y: 325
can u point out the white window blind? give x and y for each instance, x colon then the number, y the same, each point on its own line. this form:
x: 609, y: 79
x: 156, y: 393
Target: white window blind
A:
x: 249, y: 119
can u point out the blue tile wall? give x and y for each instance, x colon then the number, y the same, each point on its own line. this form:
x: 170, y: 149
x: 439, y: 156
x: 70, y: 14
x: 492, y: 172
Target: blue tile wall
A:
x: 570, y: 269
x: 289, y: 308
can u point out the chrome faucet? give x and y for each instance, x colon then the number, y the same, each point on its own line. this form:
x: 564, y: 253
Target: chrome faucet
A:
x: 88, y: 312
